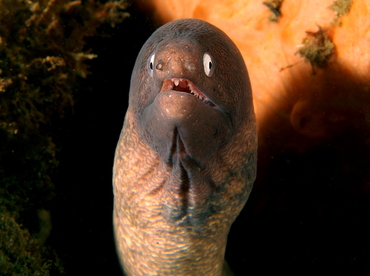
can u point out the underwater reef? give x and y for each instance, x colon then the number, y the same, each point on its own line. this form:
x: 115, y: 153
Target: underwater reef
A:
x: 43, y: 56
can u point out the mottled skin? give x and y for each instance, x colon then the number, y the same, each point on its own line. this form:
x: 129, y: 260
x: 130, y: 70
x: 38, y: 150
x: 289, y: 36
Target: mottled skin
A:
x: 184, y: 167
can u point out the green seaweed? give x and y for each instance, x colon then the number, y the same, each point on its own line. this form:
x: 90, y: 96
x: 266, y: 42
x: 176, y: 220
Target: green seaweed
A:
x: 274, y: 6
x: 21, y: 254
x: 42, y: 59
x: 340, y: 8
x: 317, y: 48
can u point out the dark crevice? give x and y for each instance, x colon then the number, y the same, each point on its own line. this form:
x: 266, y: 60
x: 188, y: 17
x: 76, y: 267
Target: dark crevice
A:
x: 184, y: 180
x: 184, y: 191
x: 173, y: 147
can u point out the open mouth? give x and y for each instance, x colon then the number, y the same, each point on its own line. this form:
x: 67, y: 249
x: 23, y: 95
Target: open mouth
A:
x: 186, y: 86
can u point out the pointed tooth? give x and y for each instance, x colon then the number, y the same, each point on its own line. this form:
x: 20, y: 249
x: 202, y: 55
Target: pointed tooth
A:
x: 176, y: 82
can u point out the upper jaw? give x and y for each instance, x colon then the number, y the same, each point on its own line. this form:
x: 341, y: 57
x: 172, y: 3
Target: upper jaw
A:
x: 186, y: 86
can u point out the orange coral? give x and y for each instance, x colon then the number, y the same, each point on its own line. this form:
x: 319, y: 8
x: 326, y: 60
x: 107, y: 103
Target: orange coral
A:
x: 316, y: 103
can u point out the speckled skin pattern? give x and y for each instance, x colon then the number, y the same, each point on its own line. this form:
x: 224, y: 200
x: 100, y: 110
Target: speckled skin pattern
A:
x: 184, y: 165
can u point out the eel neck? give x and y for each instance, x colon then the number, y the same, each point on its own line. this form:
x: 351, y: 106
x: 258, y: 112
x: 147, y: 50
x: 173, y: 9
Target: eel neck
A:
x: 163, y: 224
x: 147, y: 252
x: 164, y: 229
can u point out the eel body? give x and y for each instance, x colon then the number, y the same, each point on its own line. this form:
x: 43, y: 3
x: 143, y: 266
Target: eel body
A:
x: 185, y: 162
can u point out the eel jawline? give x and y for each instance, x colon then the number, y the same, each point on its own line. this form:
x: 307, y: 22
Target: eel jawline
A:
x: 186, y: 86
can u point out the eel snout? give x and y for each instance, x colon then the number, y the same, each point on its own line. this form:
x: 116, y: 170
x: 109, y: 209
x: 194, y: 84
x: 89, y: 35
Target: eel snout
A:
x: 186, y: 86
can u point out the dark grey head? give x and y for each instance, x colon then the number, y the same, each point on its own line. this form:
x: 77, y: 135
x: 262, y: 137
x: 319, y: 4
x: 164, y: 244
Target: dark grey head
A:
x: 190, y: 80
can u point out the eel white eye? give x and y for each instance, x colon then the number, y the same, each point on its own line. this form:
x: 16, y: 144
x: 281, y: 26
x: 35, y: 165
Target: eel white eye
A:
x: 208, y: 64
x: 151, y: 64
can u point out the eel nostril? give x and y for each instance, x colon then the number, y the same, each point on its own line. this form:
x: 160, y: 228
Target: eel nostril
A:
x: 159, y: 66
x: 190, y: 66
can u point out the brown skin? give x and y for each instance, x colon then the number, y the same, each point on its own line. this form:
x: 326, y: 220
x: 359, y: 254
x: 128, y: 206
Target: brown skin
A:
x: 185, y: 164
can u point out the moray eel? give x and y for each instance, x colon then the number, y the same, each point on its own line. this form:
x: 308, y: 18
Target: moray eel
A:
x: 185, y: 162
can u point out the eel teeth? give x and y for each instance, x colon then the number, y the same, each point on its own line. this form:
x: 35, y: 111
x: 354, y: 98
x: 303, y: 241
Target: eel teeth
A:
x: 186, y: 86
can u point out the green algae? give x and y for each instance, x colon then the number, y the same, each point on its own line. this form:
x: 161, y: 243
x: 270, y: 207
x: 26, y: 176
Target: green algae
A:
x: 340, y: 8
x: 274, y: 6
x: 43, y: 57
x: 317, y: 48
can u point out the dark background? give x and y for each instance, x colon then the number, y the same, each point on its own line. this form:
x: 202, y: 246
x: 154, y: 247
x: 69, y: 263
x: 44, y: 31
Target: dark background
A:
x: 82, y: 211
x: 309, y: 213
